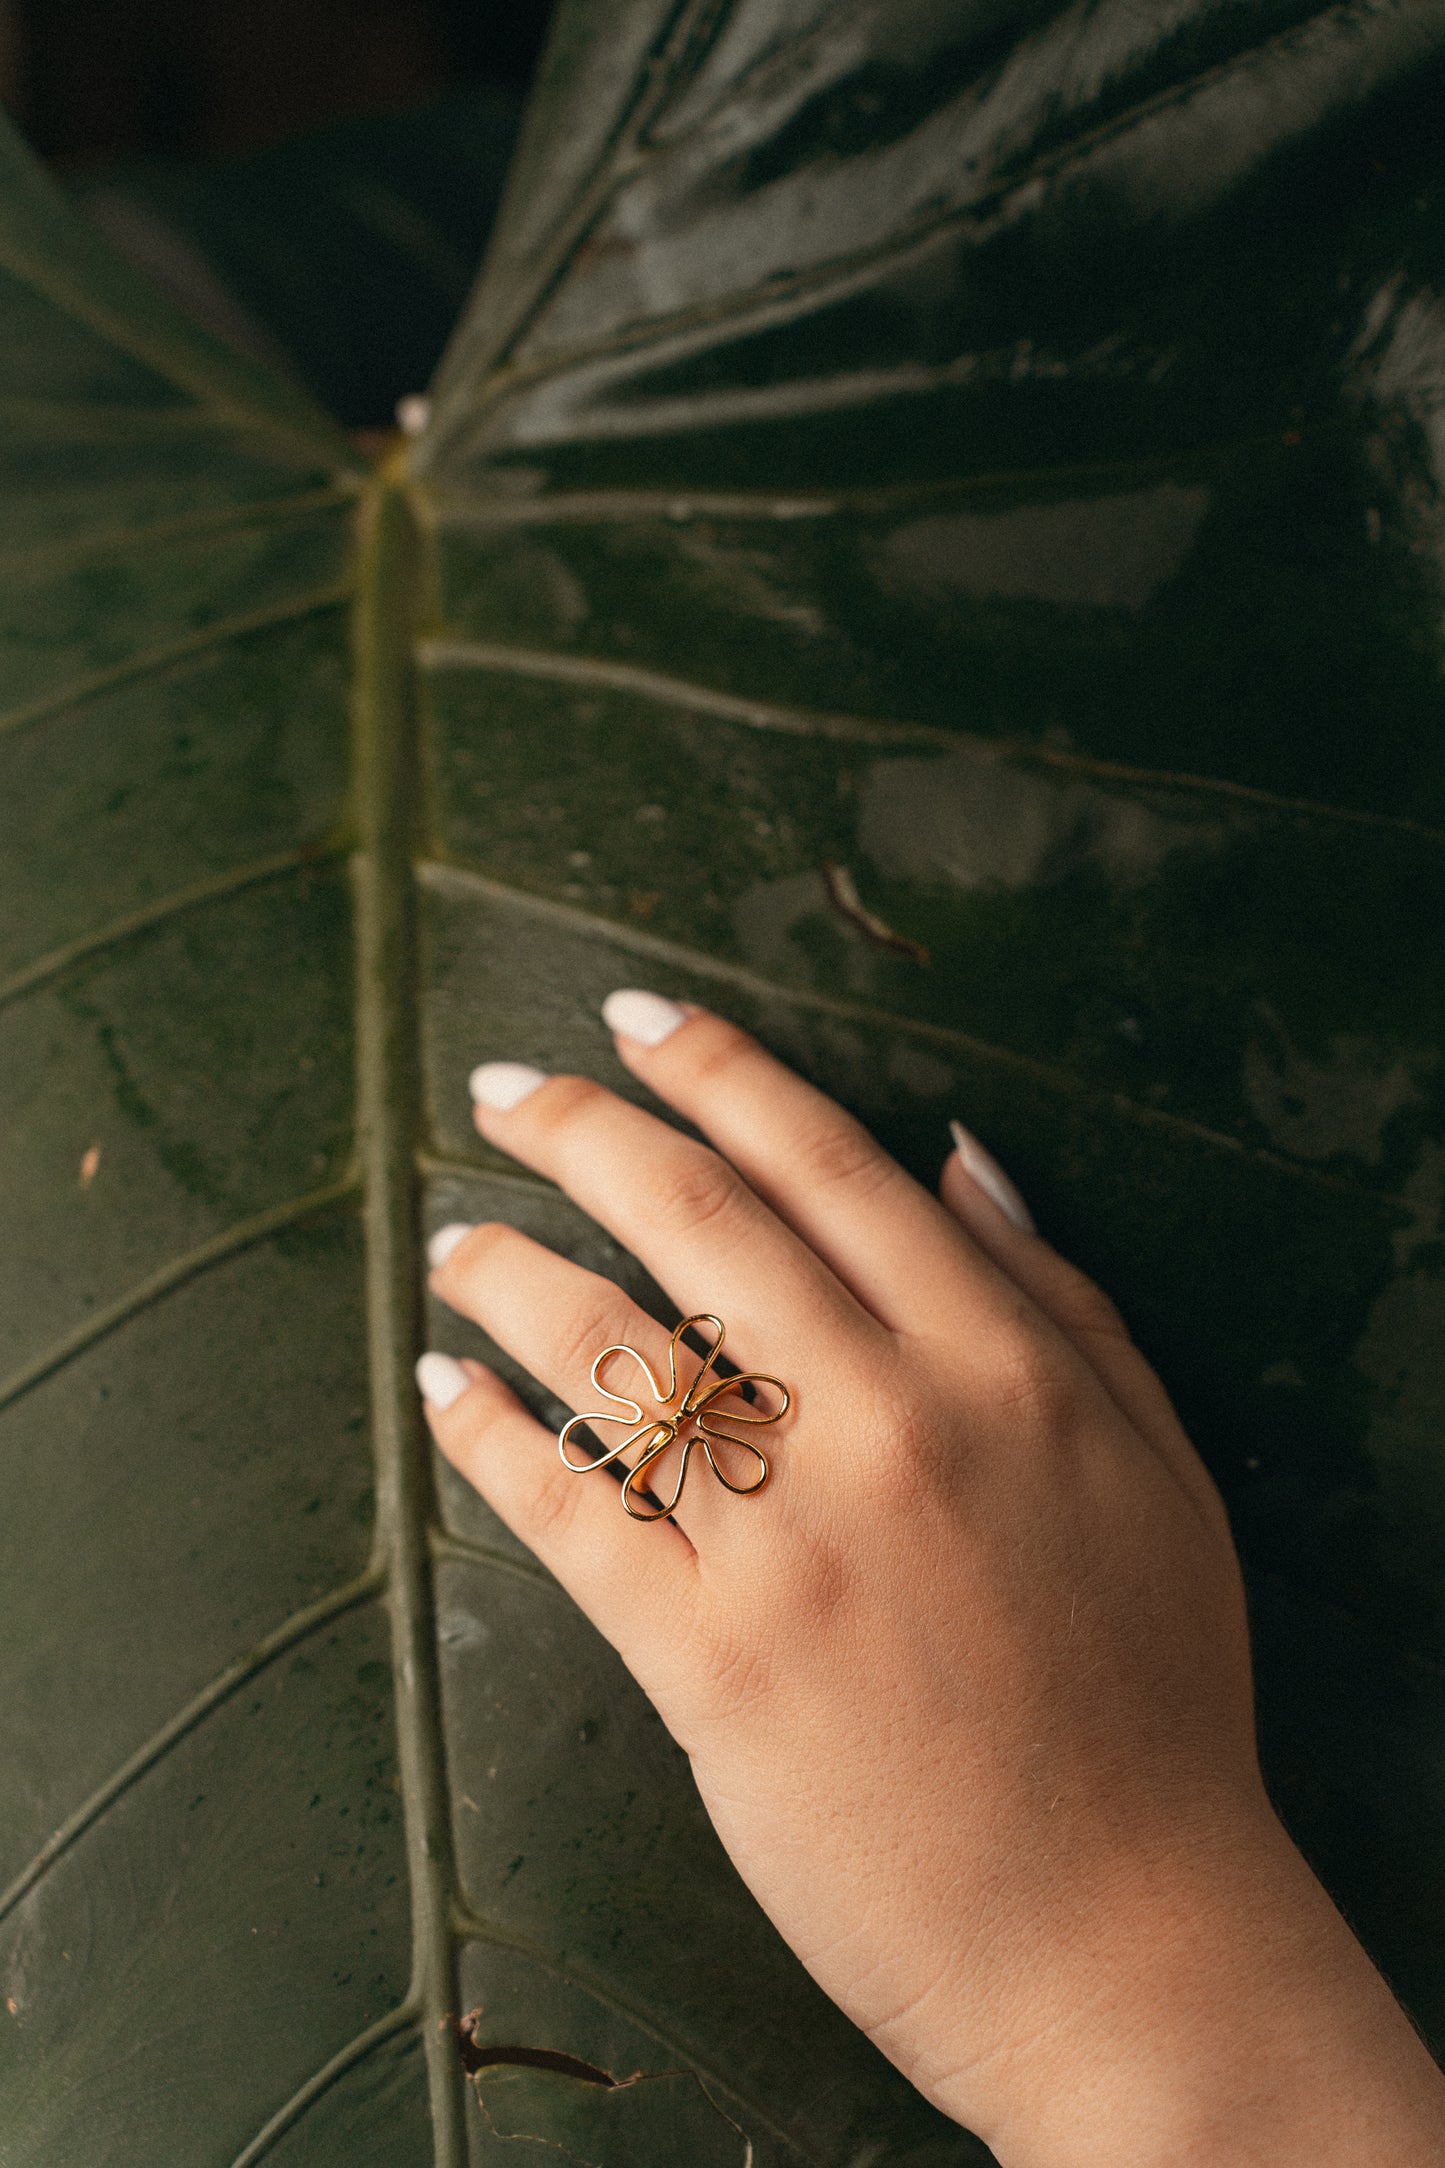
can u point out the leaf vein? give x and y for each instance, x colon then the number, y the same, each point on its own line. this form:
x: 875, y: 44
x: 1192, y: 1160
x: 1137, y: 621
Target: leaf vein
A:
x: 458, y: 512
x: 442, y: 652
x: 229, y: 1243
x: 152, y: 661
x: 210, y: 1697
x: 375, y: 2036
x: 446, y: 877
x: 189, y: 374
x: 115, y: 422
x: 776, y: 298
x: 550, y: 258
x: 438, y: 1167
x: 464, y: 1551
x: 236, y: 518
x: 181, y: 900
x: 473, y: 1927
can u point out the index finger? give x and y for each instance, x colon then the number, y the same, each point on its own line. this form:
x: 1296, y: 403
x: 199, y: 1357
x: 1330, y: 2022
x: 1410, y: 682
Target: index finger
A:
x: 684, y: 1211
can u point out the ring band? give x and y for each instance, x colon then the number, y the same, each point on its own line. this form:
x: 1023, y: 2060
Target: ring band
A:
x: 691, y: 1422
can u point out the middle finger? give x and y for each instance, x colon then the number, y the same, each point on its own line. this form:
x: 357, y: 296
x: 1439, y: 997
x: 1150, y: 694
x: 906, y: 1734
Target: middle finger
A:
x: 682, y: 1210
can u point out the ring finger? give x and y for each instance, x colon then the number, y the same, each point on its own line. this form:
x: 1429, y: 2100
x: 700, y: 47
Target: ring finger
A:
x: 555, y: 1318
x: 631, y: 1587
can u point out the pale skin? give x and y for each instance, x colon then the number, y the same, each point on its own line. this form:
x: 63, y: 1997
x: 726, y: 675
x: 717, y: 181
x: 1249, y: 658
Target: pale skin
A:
x: 966, y: 1687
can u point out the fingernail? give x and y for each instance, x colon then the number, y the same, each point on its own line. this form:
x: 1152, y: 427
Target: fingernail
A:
x: 645, y: 1018
x: 503, y: 1085
x: 445, y: 1240
x: 441, y: 1380
x: 991, y: 1178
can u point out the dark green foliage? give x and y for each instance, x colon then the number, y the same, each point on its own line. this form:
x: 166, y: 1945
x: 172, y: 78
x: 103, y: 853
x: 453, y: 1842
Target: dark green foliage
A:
x: 997, y: 458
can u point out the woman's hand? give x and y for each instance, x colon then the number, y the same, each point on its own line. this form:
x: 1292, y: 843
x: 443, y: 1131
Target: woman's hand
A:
x: 966, y: 1687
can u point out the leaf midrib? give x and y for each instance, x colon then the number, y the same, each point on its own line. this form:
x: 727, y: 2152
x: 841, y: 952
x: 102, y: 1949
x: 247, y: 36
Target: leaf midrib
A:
x: 387, y: 1042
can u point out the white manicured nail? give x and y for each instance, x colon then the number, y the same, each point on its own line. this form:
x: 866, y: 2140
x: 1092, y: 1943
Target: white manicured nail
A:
x: 441, y: 1379
x: 991, y: 1179
x: 646, y: 1018
x: 445, y: 1240
x: 502, y: 1085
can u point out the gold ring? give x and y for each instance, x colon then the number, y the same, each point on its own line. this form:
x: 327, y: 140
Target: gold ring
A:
x: 691, y: 1421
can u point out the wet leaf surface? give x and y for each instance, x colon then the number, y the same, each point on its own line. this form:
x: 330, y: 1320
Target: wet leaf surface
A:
x: 975, y: 482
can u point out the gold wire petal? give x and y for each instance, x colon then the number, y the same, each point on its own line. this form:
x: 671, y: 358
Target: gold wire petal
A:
x: 739, y: 1490
x: 691, y: 1420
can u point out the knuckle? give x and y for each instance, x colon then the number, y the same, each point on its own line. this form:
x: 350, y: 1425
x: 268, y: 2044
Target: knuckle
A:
x: 737, y: 1665
x: 1085, y: 1309
x: 593, y: 1325
x: 839, y: 1153
x: 694, y: 1188
x: 551, y: 1504
x: 1029, y: 1382
x: 906, y: 1440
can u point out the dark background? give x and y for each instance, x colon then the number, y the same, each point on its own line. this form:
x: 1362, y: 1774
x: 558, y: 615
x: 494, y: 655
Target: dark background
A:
x: 96, y: 82
x: 313, y: 180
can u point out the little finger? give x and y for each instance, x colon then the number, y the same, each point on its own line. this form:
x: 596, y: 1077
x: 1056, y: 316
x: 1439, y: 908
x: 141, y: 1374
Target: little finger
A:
x: 980, y: 1195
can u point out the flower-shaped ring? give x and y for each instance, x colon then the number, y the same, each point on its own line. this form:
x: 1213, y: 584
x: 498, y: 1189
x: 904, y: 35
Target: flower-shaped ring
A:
x: 691, y: 1421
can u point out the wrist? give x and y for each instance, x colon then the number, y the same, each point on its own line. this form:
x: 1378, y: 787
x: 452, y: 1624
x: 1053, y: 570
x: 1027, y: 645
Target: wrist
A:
x: 1208, y: 2009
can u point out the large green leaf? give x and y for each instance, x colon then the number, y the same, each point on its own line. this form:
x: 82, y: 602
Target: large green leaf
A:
x: 928, y: 539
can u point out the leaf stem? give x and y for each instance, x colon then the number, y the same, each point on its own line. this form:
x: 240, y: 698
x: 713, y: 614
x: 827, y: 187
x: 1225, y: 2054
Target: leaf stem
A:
x: 387, y: 1104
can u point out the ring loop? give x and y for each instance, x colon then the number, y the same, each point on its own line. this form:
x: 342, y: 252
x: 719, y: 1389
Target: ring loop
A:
x: 688, y: 1423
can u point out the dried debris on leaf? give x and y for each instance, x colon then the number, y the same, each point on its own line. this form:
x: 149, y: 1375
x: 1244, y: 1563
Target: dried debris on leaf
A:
x: 532, y: 2096
x: 846, y: 901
